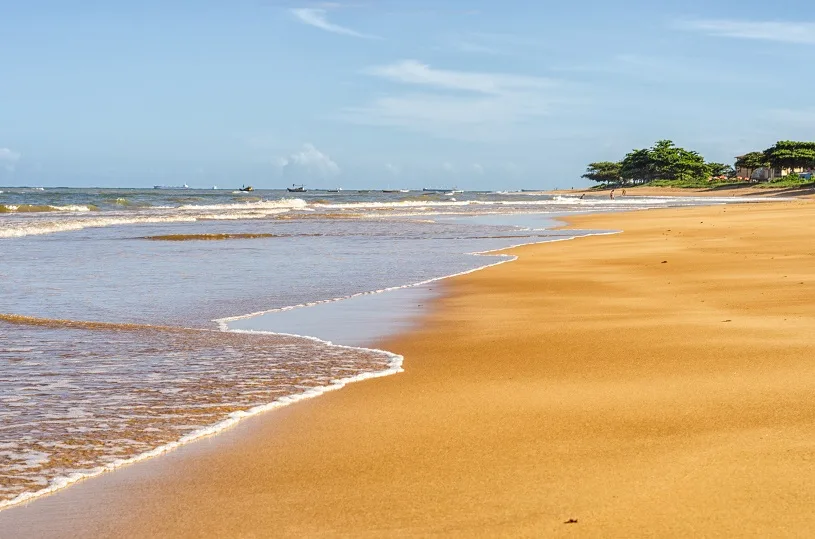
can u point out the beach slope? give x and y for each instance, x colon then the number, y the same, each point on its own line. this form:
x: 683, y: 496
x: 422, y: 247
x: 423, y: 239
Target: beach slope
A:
x: 657, y: 382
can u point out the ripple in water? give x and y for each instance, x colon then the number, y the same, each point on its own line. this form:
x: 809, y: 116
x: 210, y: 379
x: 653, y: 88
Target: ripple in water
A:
x: 78, y: 397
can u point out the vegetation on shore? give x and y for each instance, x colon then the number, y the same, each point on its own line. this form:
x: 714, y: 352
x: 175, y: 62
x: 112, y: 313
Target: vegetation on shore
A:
x: 667, y: 165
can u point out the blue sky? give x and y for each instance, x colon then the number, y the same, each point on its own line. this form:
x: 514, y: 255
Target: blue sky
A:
x: 478, y: 94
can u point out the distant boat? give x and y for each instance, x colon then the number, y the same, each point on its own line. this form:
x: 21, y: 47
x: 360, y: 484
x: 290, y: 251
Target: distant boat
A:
x: 246, y: 189
x: 391, y: 191
x: 435, y: 190
x: 337, y: 190
x: 296, y: 189
x: 185, y: 186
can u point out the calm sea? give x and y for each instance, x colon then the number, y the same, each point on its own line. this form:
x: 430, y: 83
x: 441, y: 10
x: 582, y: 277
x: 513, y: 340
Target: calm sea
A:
x: 123, y: 312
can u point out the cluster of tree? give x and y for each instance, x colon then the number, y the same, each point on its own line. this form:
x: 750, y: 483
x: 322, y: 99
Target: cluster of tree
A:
x: 666, y: 161
x: 663, y: 161
x: 786, y: 154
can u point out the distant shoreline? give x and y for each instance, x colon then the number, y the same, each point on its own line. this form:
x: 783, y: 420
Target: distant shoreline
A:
x: 745, y: 190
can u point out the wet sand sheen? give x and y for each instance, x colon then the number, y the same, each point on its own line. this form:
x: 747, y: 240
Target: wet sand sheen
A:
x: 652, y: 383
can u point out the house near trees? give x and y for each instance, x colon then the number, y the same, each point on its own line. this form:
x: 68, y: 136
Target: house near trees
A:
x: 766, y: 173
x: 785, y: 158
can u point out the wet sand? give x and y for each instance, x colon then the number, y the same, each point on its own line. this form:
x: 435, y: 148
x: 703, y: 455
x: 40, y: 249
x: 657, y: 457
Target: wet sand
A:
x: 657, y: 382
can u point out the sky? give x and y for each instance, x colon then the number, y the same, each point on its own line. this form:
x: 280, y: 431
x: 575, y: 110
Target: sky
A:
x: 475, y: 94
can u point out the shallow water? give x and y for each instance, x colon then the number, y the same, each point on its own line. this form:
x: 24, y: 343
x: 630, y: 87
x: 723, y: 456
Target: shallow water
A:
x: 110, y: 345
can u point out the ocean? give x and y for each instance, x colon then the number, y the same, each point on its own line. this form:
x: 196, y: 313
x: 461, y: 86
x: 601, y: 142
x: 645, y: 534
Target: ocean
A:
x: 135, y: 320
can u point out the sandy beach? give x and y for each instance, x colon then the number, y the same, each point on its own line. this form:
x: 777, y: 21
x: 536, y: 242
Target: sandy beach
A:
x: 656, y: 382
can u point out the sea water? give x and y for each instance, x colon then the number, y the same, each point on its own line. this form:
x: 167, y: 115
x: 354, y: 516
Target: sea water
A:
x: 134, y: 320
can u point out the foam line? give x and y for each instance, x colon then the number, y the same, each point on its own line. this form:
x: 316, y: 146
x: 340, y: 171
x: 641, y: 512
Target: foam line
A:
x: 394, y: 367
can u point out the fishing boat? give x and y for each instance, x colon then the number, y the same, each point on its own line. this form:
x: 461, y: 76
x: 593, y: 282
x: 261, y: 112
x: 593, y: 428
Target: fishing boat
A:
x: 337, y: 190
x: 296, y: 189
x: 246, y: 189
x: 185, y: 186
x: 437, y: 190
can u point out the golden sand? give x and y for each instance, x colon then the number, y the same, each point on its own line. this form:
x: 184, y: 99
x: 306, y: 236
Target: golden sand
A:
x: 659, y: 382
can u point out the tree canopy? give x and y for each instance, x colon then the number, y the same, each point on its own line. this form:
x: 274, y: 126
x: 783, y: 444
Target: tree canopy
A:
x: 664, y: 161
x: 603, y: 171
x: 667, y: 161
x: 791, y: 154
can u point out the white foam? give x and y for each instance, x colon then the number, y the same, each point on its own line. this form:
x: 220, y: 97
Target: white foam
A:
x: 394, y: 367
x: 284, y: 203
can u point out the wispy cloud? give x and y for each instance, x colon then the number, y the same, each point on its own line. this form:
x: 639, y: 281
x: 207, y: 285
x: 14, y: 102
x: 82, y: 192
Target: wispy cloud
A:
x: 308, y: 160
x: 415, y: 72
x: 786, y: 32
x: 318, y: 18
x: 456, y: 104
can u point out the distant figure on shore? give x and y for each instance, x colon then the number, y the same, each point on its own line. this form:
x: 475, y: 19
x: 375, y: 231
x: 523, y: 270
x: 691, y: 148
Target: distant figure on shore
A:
x: 581, y: 196
x: 623, y: 192
x: 611, y: 194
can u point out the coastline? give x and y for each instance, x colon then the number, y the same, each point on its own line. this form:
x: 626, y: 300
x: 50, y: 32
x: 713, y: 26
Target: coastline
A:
x: 739, y: 191
x: 460, y: 444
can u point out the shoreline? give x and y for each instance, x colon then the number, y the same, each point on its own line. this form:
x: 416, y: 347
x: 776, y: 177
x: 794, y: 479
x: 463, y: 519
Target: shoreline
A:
x: 745, y: 191
x: 307, y: 423
x: 232, y: 419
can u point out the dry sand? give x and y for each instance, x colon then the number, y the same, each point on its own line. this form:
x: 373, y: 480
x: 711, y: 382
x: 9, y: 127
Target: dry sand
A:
x: 659, y: 382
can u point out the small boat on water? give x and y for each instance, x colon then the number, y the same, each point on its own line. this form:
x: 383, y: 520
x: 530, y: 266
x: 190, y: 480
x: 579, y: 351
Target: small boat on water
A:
x: 337, y: 190
x: 185, y: 186
x: 296, y: 189
x: 435, y: 190
x: 246, y: 188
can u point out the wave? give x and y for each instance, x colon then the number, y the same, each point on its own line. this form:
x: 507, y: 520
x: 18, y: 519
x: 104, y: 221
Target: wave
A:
x: 219, y: 212
x: 393, y: 365
x: 285, y: 203
x: 40, y: 208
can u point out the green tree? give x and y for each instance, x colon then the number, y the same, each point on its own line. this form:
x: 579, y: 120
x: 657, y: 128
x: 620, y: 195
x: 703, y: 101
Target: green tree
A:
x: 752, y: 161
x: 720, y: 169
x: 791, y: 154
x: 604, y: 172
x: 638, y: 166
x: 689, y: 165
x: 666, y: 157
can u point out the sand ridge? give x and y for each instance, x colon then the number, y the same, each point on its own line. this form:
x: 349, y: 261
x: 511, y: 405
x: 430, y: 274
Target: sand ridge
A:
x: 656, y: 382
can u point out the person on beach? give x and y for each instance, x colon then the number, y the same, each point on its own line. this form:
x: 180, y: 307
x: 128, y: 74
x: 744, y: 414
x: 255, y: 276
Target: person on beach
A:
x: 611, y: 194
x: 581, y: 196
x: 623, y: 192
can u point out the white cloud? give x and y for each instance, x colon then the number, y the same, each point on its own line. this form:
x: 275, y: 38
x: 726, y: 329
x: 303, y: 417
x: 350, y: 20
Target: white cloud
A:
x: 317, y: 18
x: 8, y: 155
x: 787, y: 32
x: 308, y: 160
x: 9, y: 158
x: 415, y: 72
x: 456, y: 104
